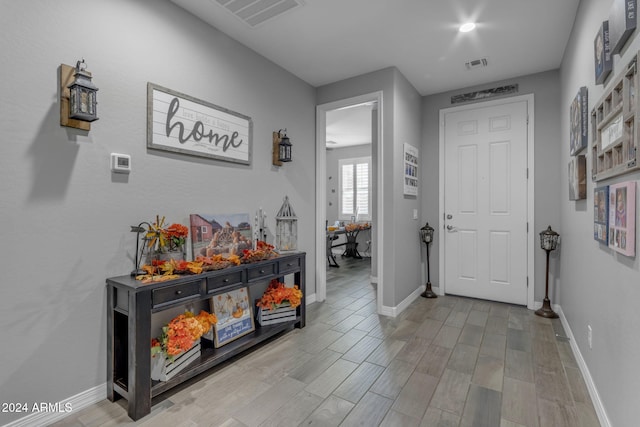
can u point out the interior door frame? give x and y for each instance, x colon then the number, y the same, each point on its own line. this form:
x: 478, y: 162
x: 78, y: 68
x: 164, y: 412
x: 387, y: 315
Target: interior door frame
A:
x: 531, y: 241
x: 321, y: 193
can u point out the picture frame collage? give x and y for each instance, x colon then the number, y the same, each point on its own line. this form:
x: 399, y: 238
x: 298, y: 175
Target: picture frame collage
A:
x: 614, y: 134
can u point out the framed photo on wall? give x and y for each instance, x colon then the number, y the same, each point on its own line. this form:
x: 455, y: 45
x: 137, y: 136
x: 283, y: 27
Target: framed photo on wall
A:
x: 579, y: 120
x: 410, y: 162
x: 602, y: 54
x: 578, y: 177
x: 622, y: 217
x: 601, y: 214
x: 622, y: 23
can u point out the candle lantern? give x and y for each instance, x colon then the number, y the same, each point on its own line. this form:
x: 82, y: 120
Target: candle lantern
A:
x: 82, y: 95
x: 426, y: 234
x: 286, y: 228
x: 548, y: 242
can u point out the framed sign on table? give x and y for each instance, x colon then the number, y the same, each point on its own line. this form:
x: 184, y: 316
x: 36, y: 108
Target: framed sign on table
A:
x: 235, y: 316
x: 183, y: 124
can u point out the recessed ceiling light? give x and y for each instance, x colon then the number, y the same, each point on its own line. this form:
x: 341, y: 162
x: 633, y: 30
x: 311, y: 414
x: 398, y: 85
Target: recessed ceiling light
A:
x: 465, y: 28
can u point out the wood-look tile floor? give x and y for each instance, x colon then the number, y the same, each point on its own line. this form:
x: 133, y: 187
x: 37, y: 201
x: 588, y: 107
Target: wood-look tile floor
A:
x: 449, y: 361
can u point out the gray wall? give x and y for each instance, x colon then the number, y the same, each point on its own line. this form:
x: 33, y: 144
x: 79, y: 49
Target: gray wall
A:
x: 598, y: 287
x: 66, y: 217
x: 549, y: 171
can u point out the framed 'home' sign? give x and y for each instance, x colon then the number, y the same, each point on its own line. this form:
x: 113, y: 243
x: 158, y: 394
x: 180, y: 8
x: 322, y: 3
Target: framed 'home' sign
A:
x: 183, y: 124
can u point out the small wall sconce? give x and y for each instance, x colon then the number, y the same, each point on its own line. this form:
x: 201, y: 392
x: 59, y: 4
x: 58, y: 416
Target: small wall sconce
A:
x: 281, y: 148
x: 78, y: 102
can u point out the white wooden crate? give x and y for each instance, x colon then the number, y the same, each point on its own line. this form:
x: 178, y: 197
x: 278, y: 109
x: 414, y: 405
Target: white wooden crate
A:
x: 163, y: 370
x: 284, y: 313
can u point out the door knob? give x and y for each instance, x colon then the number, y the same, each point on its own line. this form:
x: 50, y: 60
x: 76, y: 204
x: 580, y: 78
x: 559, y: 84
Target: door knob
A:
x: 450, y: 227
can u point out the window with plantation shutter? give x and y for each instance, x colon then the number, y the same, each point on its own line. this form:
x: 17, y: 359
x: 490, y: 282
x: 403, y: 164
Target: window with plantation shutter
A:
x: 355, y: 188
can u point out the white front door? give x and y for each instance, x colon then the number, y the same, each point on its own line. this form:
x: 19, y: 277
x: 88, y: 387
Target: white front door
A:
x: 485, y: 202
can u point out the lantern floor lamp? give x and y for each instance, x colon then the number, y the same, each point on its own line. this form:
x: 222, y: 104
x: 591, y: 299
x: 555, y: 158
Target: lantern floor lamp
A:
x: 548, y: 242
x: 426, y: 234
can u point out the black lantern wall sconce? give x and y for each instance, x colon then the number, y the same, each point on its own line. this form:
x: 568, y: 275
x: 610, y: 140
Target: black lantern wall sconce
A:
x: 281, y: 148
x: 78, y: 102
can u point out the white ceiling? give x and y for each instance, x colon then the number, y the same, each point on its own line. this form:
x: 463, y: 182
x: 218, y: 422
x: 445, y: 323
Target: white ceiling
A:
x: 324, y: 41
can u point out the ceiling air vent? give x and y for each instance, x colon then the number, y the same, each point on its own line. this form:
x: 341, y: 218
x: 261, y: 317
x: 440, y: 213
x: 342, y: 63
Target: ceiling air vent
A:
x: 476, y: 63
x: 255, y: 12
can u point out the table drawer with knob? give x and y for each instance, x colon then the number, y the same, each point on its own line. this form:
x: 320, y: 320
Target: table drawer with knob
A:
x: 261, y: 272
x: 176, y: 293
x: 287, y: 265
x: 214, y: 284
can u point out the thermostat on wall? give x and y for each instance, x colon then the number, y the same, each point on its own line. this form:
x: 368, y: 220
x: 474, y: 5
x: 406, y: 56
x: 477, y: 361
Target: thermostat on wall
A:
x: 120, y: 163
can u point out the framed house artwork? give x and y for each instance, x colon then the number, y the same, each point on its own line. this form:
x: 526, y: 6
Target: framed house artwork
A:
x: 579, y: 120
x: 235, y: 316
x: 622, y: 23
x: 220, y: 234
x: 622, y: 217
x: 578, y: 177
x: 602, y: 54
x: 601, y: 214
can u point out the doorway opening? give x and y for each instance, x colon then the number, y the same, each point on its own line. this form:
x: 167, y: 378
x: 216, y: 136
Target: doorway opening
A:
x: 328, y: 183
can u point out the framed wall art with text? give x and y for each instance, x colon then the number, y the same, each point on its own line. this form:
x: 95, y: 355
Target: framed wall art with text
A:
x: 183, y: 124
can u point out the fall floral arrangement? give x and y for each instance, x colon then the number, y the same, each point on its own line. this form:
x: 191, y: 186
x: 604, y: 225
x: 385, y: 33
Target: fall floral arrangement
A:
x: 163, y: 239
x: 277, y: 293
x: 262, y: 251
x: 218, y: 261
x: 355, y: 226
x: 181, y: 333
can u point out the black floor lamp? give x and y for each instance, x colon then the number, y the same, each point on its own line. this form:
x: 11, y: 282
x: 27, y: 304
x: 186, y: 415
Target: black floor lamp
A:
x: 426, y: 234
x: 548, y: 242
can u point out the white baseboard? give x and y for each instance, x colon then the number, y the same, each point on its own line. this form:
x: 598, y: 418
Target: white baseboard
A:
x: 395, y: 311
x: 310, y: 299
x: 593, y: 391
x: 57, y: 411
x: 373, y: 279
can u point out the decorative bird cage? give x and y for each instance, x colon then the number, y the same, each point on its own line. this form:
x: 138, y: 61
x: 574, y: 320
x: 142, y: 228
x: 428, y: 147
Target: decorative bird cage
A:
x: 286, y: 228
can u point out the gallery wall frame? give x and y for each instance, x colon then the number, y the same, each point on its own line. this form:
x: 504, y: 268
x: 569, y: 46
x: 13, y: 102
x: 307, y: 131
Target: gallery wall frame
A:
x: 578, y: 177
x: 579, y: 120
x: 181, y: 123
x: 622, y: 217
x: 622, y: 23
x: 602, y: 54
x: 614, y: 127
x: 601, y: 214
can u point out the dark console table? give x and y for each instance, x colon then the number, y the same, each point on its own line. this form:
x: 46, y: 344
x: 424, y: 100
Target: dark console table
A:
x: 130, y: 305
